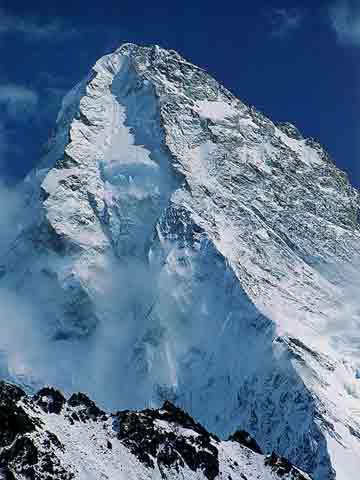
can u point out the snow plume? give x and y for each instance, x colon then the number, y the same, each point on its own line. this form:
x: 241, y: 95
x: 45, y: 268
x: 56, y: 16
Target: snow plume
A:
x: 38, y: 345
x: 124, y: 295
x: 24, y: 344
x: 98, y: 309
x: 19, y: 342
x: 10, y: 225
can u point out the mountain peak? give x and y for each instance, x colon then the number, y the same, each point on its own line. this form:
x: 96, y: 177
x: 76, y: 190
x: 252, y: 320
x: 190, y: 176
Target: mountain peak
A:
x: 178, y: 242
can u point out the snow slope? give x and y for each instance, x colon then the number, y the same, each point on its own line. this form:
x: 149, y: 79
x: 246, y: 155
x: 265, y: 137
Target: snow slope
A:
x: 179, y: 245
x: 47, y: 437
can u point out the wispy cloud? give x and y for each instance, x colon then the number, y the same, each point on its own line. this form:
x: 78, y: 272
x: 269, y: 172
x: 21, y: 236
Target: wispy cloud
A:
x: 19, y: 102
x: 345, y: 20
x: 33, y: 28
x: 285, y: 21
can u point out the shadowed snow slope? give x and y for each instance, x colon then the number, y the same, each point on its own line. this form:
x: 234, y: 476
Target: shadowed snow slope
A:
x: 177, y: 244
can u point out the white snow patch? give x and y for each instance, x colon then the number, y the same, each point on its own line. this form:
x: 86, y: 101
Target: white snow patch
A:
x: 215, y: 111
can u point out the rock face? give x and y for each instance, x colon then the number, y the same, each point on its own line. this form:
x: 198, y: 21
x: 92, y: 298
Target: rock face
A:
x: 74, y: 444
x: 177, y: 244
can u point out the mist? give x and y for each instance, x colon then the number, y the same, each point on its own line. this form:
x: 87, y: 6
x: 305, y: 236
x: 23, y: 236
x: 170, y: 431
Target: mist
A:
x: 140, y: 333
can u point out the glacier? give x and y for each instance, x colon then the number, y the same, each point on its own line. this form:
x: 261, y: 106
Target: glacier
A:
x: 174, y: 243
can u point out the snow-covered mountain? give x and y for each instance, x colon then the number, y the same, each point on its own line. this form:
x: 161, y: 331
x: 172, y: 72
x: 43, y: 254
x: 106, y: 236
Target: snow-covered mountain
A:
x: 177, y: 244
x: 46, y: 437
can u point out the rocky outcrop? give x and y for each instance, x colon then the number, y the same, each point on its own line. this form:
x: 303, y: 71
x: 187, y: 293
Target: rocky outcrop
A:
x: 59, y: 439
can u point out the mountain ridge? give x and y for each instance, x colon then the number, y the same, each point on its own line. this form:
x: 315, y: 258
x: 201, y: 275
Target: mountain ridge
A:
x: 49, y: 437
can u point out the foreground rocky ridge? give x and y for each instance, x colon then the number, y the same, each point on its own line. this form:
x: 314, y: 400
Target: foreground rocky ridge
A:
x: 46, y: 437
x: 178, y: 242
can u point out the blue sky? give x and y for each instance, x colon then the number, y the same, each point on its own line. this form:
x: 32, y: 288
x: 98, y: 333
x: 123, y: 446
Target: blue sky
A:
x: 294, y: 60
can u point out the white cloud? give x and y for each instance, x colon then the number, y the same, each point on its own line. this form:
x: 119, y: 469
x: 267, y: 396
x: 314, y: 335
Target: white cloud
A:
x: 345, y: 20
x: 285, y: 21
x: 33, y: 28
x: 20, y: 102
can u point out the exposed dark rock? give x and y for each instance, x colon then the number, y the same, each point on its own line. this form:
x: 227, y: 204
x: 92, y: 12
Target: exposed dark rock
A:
x: 355, y: 433
x: 10, y: 392
x: 66, y: 161
x: 281, y: 466
x: 50, y: 400
x: 13, y: 418
x: 142, y: 435
x: 167, y: 438
x: 298, y: 350
x: 290, y: 130
x: 86, y: 408
x: 52, y: 440
x: 6, y: 474
x: 242, y: 437
x: 26, y: 459
x: 171, y: 413
x: 21, y: 457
